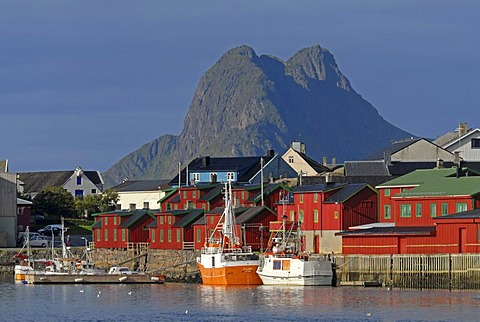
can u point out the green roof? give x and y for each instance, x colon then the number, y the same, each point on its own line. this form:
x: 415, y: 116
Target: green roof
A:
x: 437, y: 182
x: 167, y: 195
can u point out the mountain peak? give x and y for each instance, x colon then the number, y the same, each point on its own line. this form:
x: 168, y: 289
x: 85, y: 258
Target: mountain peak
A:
x: 245, y: 105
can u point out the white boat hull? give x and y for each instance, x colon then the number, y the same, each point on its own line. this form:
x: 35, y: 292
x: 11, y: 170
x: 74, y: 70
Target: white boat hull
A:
x: 295, y: 271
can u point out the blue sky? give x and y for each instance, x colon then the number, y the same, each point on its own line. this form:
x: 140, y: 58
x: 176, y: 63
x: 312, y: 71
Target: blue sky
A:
x: 87, y: 82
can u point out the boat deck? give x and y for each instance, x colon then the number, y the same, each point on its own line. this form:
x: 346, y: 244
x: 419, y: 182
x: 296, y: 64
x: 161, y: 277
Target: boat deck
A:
x: 93, y: 279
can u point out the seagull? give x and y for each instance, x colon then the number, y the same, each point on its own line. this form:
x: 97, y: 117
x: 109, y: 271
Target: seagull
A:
x: 369, y: 314
x: 130, y: 293
x: 186, y: 311
x: 98, y: 295
x: 81, y: 291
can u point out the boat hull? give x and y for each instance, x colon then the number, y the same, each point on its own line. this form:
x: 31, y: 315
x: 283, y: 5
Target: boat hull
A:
x: 296, y: 271
x: 230, y: 275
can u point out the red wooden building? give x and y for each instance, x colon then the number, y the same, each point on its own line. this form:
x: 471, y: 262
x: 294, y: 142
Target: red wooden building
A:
x: 252, y: 225
x: 326, y: 209
x: 173, y: 229
x: 119, y: 229
x: 424, y: 212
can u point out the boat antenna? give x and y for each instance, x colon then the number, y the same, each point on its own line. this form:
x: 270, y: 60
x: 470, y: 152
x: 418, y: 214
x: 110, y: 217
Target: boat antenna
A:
x: 261, y: 179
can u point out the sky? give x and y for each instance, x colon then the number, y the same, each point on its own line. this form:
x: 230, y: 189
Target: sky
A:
x: 84, y: 83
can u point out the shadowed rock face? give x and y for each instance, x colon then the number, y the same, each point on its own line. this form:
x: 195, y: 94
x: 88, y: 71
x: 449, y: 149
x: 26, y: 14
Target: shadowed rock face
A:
x: 246, y: 104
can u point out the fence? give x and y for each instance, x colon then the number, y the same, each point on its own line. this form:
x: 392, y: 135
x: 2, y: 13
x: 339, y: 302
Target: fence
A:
x: 439, y: 271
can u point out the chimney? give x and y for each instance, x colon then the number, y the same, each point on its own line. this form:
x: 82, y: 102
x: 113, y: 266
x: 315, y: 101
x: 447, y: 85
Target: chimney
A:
x: 456, y: 158
x: 298, y: 146
x: 439, y: 163
x: 462, y: 128
x: 206, y: 161
x: 328, y: 178
x: 270, y: 153
x: 325, y: 161
x: 334, y: 161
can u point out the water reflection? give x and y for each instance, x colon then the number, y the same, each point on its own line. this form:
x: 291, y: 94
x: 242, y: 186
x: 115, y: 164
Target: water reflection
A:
x: 176, y: 302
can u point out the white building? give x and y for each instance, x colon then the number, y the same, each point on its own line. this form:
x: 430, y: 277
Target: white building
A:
x: 140, y: 194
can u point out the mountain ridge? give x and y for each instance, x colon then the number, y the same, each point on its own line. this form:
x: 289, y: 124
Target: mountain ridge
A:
x: 246, y: 104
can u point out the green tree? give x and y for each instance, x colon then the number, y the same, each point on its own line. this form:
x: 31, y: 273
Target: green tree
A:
x: 91, y: 204
x: 54, y: 202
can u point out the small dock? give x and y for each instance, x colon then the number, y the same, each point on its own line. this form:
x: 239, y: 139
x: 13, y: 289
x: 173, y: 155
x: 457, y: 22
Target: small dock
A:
x: 93, y: 279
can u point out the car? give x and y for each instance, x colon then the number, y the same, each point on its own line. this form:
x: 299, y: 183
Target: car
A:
x: 47, y: 230
x: 39, y: 241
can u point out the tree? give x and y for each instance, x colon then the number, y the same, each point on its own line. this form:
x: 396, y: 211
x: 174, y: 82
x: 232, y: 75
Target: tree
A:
x: 91, y: 204
x: 54, y: 202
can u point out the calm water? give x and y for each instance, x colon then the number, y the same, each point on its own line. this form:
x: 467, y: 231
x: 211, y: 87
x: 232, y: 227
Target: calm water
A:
x: 187, y: 302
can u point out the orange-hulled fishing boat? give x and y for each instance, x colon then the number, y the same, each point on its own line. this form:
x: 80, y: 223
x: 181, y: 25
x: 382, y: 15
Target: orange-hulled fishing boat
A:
x: 224, y: 260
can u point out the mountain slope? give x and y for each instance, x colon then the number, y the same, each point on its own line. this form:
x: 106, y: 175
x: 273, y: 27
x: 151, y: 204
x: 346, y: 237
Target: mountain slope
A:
x: 246, y: 104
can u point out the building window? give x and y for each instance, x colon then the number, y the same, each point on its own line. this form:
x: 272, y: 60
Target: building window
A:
x: 387, y: 211
x: 199, y: 235
x: 230, y: 176
x: 403, y: 189
x: 213, y: 177
x: 94, y: 191
x: 175, y: 206
x: 292, y: 215
x: 178, y: 235
x: 461, y: 206
x: 161, y: 236
x: 418, y: 210
x: 184, y: 194
x: 300, y: 216
x: 405, y: 210
x: 153, y: 236
x: 243, y: 195
x: 433, y: 210
x: 444, y: 208
x: 169, y: 236
x: 315, y: 215
x: 335, y: 214
x: 315, y: 197
x: 146, y: 205
x: 161, y: 220
x: 196, y: 176
x: 132, y: 206
x: 78, y: 193
x: 169, y: 220
x: 79, y: 180
x: 387, y: 192
x: 211, y: 219
x: 114, y: 235
x: 475, y: 143
x: 105, y: 221
x: 168, y: 206
x: 301, y: 198
x: 114, y: 221
x: 123, y: 234
x: 106, y: 234
x: 98, y: 236
x: 290, y: 159
x: 194, y: 194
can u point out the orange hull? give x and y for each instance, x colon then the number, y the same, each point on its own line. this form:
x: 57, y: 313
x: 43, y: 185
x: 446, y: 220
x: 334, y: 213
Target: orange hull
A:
x: 230, y: 275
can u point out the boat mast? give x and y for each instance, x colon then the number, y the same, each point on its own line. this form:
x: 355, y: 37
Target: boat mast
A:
x: 229, y: 226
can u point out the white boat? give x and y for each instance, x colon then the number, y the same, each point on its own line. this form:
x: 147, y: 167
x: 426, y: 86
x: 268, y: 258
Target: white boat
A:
x: 223, y: 260
x: 284, y: 263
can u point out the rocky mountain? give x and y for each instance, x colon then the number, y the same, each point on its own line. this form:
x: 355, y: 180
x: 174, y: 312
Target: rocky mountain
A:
x: 246, y: 104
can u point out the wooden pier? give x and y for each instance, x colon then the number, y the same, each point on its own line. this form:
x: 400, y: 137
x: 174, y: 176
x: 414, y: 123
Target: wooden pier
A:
x: 93, y: 279
x: 436, y: 271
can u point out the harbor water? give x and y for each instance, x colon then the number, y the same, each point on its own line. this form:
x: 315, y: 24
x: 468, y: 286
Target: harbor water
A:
x: 196, y: 302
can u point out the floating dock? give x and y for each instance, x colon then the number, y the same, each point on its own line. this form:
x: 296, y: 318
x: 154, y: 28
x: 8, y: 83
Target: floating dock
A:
x: 93, y: 279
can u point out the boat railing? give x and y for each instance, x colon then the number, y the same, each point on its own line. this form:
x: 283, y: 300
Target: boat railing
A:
x: 188, y: 245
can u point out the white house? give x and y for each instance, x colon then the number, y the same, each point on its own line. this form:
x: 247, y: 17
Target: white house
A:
x: 296, y: 158
x: 463, y: 140
x: 140, y: 194
x: 78, y: 182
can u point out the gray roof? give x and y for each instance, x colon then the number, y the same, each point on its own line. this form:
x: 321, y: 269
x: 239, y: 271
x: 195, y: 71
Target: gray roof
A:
x: 251, y: 213
x: 138, y: 214
x: 393, y: 148
x: 37, y: 181
x: 141, y: 185
x: 193, y: 215
x: 396, y: 230
x: 346, y: 192
x: 318, y: 187
x: 469, y: 214
x: 366, y: 168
